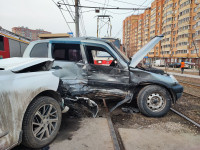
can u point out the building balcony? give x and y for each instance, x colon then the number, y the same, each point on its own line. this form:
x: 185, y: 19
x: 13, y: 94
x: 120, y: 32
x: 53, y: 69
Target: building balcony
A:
x: 185, y: 7
x: 185, y: 39
x: 166, y: 49
x: 184, y: 16
x: 180, y: 55
x: 182, y: 47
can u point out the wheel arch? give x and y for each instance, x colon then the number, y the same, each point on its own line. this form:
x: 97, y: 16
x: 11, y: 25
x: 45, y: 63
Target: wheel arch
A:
x: 50, y: 93
x: 47, y: 93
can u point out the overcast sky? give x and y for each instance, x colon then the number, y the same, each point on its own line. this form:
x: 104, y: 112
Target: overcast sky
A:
x: 44, y: 14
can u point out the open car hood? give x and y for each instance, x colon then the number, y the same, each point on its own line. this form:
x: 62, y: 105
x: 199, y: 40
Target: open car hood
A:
x: 17, y: 64
x: 144, y: 50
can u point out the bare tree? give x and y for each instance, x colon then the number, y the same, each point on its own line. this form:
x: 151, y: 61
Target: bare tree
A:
x: 197, y: 52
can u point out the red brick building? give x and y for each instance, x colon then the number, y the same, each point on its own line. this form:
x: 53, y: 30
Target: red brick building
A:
x: 29, y: 33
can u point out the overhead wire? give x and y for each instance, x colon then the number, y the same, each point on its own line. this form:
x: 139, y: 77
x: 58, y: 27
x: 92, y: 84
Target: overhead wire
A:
x: 118, y: 8
x: 82, y: 22
x: 149, y: 3
x: 128, y: 3
x: 68, y: 10
x: 119, y: 13
x: 101, y: 3
x: 63, y: 15
x: 106, y: 6
x: 133, y: 12
x: 83, y: 25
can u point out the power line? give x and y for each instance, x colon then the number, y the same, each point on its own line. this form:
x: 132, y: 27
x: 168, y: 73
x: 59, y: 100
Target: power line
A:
x: 65, y: 20
x: 129, y: 3
x: 68, y: 10
x: 63, y: 16
x: 104, y: 6
x: 118, y: 8
x: 118, y: 32
x: 133, y: 12
x: 120, y: 13
x: 82, y: 23
x: 150, y: 2
x: 101, y: 3
x: 107, y: 6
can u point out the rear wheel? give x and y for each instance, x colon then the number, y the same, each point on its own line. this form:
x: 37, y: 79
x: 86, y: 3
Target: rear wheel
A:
x: 41, y: 122
x: 154, y: 101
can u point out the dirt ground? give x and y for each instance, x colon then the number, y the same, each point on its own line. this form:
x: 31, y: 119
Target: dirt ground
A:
x: 190, y: 106
x: 169, y: 123
x: 187, y: 104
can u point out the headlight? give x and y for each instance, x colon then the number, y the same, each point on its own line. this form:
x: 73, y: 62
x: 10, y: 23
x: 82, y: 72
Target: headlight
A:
x: 99, y: 62
x: 173, y: 78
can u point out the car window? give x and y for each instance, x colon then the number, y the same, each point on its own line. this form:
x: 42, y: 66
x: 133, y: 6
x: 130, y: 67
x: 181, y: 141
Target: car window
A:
x: 40, y: 50
x: 66, y: 52
x: 99, y: 56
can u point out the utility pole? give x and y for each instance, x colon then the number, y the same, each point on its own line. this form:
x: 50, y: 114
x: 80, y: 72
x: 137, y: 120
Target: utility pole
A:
x: 77, y: 17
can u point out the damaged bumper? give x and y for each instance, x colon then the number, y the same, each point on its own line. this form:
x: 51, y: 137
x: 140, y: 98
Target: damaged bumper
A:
x: 177, y: 91
x: 88, y: 103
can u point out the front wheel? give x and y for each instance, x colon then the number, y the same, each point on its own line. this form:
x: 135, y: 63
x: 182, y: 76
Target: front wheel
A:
x: 154, y: 101
x: 41, y: 122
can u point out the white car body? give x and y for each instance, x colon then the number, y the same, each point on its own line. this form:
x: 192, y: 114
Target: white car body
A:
x: 17, y: 90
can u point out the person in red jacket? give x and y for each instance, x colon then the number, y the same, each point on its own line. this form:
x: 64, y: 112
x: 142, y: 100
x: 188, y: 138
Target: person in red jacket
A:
x: 182, y: 66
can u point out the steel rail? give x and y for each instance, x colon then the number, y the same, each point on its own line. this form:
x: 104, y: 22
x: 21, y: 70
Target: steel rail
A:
x: 111, y: 128
x: 191, y: 94
x: 184, y: 82
x: 185, y: 117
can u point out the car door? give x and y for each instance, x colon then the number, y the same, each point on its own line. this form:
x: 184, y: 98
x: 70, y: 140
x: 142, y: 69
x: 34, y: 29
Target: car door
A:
x: 69, y: 66
x: 108, y: 80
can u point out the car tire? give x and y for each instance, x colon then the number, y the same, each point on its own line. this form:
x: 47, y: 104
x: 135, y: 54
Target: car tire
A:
x: 154, y: 101
x: 41, y: 122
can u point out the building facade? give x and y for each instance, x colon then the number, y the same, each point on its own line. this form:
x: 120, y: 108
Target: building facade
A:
x: 177, y: 20
x: 129, y: 36
x: 29, y: 33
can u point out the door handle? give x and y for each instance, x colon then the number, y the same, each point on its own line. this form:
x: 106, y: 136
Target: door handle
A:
x: 57, y: 67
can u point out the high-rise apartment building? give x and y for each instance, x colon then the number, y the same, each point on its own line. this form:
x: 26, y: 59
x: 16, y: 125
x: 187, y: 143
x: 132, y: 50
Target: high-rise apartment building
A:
x: 129, y: 33
x: 29, y: 33
x: 146, y: 33
x: 177, y: 20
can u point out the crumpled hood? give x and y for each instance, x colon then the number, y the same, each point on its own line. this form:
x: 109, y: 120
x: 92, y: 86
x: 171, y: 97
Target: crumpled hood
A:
x: 16, y: 64
x: 144, y: 50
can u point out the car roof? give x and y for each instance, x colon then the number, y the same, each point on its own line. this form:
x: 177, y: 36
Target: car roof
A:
x: 79, y: 39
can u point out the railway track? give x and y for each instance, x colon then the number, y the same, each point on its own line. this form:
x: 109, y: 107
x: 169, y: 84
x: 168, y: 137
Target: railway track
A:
x: 185, y: 117
x: 116, y: 141
x: 188, y: 83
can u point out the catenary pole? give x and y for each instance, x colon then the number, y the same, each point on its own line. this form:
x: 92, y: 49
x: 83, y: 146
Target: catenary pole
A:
x: 77, y: 17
